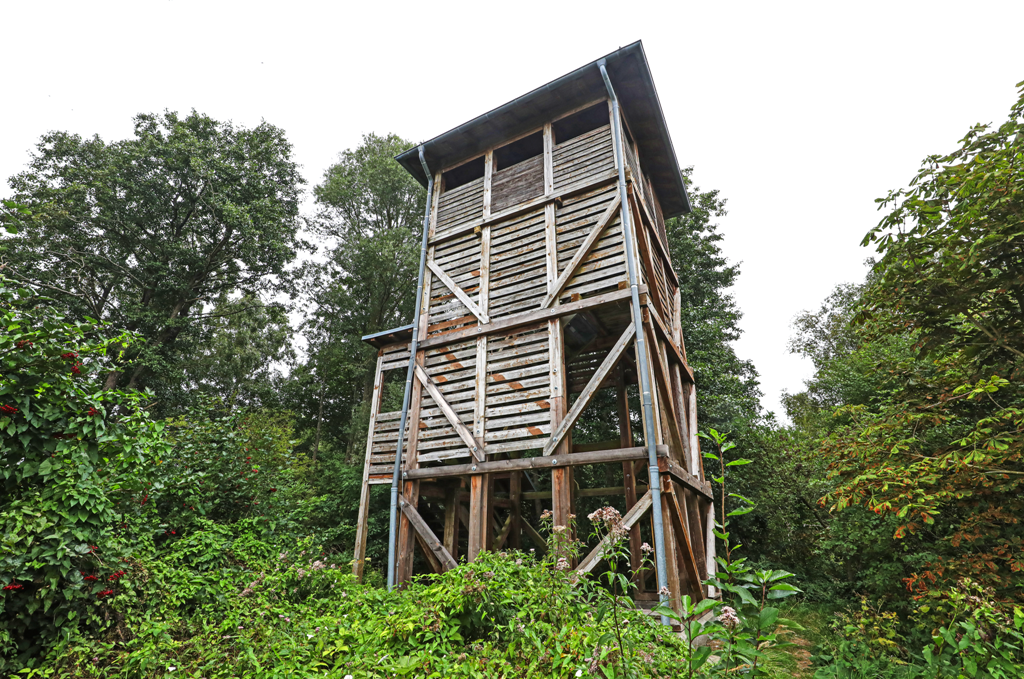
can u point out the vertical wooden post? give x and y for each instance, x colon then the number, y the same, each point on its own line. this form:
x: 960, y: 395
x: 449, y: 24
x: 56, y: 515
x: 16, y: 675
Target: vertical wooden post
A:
x: 479, y: 518
x: 451, y: 521
x: 480, y: 484
x: 561, y: 484
x: 671, y: 554
x: 515, y: 484
x: 628, y: 477
x: 359, y: 550
x: 410, y: 489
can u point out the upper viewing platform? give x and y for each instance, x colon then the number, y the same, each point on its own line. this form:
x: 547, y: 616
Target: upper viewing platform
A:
x: 547, y: 155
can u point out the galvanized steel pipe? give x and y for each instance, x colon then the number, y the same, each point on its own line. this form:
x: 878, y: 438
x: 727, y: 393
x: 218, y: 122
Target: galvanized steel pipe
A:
x: 396, y: 479
x: 641, y: 351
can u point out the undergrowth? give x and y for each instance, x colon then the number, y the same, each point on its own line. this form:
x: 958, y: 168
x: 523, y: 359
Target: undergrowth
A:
x: 258, y: 611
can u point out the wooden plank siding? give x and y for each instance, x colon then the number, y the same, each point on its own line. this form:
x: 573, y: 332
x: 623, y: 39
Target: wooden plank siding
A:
x: 526, y: 304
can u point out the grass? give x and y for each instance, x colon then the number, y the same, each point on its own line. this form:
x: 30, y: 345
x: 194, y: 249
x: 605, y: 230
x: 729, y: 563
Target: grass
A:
x: 810, y: 629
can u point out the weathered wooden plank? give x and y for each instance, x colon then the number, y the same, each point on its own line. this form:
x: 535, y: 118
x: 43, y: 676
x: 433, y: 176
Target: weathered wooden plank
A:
x: 587, y: 183
x: 475, y: 446
x: 582, y: 252
x: 463, y: 297
x: 539, y: 462
x: 588, y: 393
x: 517, y: 184
x: 427, y: 535
x: 505, y: 324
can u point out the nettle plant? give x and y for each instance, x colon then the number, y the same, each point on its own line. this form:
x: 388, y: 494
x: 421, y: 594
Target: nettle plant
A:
x: 69, y: 452
x: 744, y: 625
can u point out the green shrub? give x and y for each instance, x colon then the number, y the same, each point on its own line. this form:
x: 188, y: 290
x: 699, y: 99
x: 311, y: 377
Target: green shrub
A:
x: 75, y: 460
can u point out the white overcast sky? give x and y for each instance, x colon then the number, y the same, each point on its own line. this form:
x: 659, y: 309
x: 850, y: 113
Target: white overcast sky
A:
x: 800, y: 113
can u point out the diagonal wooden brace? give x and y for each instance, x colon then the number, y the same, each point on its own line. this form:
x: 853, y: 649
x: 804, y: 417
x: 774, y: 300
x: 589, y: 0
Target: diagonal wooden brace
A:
x: 458, y: 292
x: 427, y: 535
x: 631, y: 517
x: 667, y: 399
x: 475, y: 445
x: 581, y: 253
x: 681, y: 526
x: 588, y: 392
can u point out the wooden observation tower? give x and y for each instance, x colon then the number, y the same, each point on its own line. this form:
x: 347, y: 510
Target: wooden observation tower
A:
x: 545, y: 294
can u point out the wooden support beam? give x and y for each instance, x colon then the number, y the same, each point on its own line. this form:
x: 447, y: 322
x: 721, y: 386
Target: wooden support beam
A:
x: 662, y: 250
x: 685, y: 539
x: 671, y: 555
x: 435, y: 564
x: 505, y: 324
x: 663, y: 382
x: 644, y: 251
x: 702, y: 488
x: 610, y: 444
x: 506, y: 528
x: 362, y: 520
x: 479, y: 517
x: 539, y: 462
x: 588, y: 393
x: 629, y: 487
x: 631, y: 517
x: 451, y: 521
x: 581, y: 253
x: 475, y: 446
x: 423, y: 530
x: 458, y: 292
x: 691, y: 506
x: 663, y: 332
x: 515, y: 496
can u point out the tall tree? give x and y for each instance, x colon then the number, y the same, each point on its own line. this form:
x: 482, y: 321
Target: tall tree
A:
x: 941, y: 453
x: 727, y: 386
x: 370, y: 211
x: 148, y: 233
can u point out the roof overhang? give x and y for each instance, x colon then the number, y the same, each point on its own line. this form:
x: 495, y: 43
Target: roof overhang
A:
x: 631, y: 77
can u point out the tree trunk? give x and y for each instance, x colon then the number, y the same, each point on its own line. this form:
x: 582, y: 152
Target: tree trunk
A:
x: 319, y: 422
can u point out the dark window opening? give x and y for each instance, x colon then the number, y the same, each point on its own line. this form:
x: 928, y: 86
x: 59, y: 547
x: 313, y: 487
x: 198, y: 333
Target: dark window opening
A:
x: 463, y: 174
x: 581, y: 122
x: 518, y: 151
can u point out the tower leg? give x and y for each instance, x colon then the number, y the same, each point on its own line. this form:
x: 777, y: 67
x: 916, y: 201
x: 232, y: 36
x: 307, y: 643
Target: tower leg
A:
x: 479, y: 514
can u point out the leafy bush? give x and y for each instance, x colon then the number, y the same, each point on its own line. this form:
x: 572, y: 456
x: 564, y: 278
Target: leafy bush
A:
x: 298, y: 612
x: 73, y: 460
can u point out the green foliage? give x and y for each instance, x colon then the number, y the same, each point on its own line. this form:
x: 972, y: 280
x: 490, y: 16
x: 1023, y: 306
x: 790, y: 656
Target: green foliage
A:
x: 972, y: 637
x: 73, y: 459
x: 297, y: 612
x: 938, y: 447
x: 370, y: 212
x: 728, y: 391
x: 229, y: 465
x: 147, y: 233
